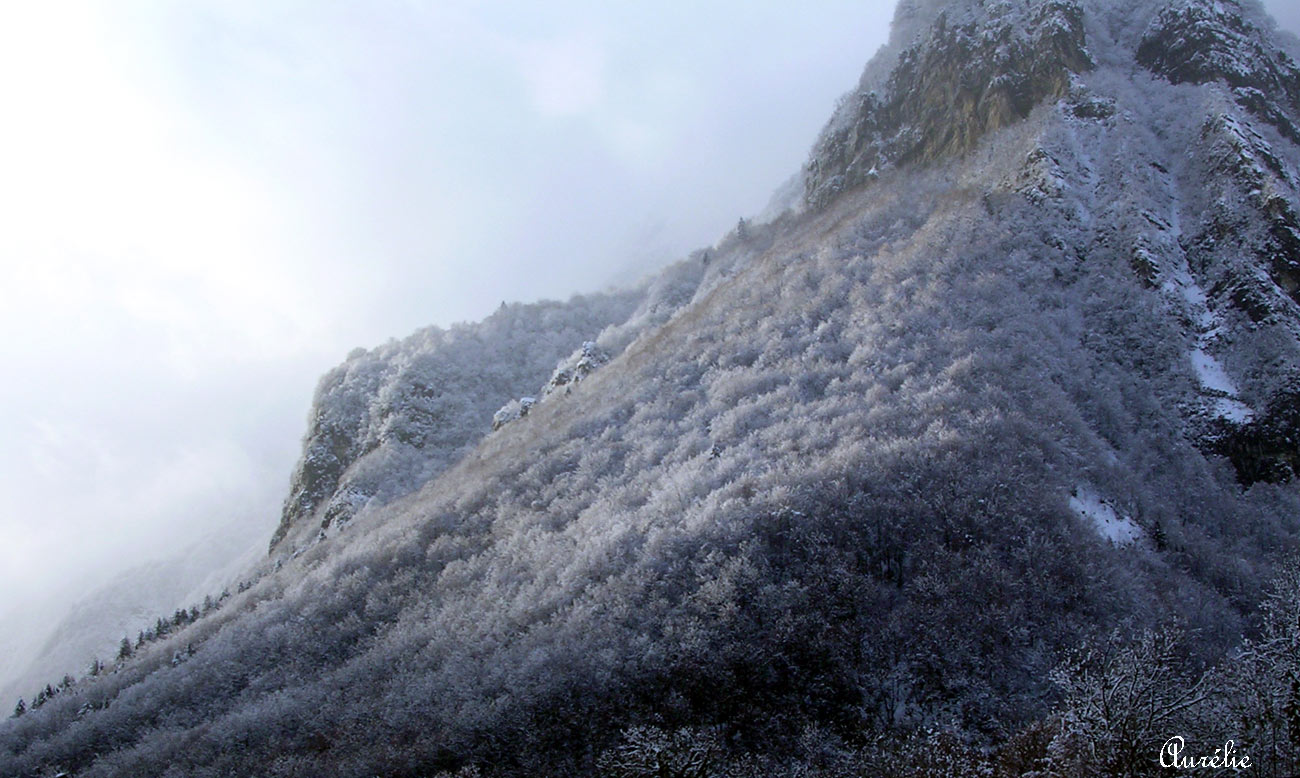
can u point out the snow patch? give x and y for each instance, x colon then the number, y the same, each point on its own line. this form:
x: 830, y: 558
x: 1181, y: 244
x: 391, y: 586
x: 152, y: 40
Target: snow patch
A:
x: 1211, y: 374
x: 576, y: 367
x: 1233, y: 410
x: 1119, y: 530
x: 512, y: 411
x: 1198, y: 304
x: 1214, y: 379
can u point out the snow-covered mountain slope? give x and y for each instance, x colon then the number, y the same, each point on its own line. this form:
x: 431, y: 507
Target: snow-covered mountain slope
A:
x: 1020, y: 376
x: 92, y: 628
x: 387, y: 420
x: 1194, y: 184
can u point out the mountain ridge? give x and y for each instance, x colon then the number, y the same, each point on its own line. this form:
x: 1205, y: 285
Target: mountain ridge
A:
x: 883, y: 466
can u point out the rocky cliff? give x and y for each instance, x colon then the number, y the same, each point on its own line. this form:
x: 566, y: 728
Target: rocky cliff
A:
x: 389, y: 419
x: 975, y: 70
x: 906, y: 481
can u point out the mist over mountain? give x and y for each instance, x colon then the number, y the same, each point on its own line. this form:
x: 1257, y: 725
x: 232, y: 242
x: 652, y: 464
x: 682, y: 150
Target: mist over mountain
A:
x: 980, y: 458
x: 124, y: 607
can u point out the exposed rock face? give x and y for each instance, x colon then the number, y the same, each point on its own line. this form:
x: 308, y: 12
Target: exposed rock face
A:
x: 568, y: 374
x: 875, y: 467
x: 970, y: 75
x: 512, y: 411
x: 576, y: 367
x: 387, y: 420
x: 1267, y: 448
x: 1197, y: 41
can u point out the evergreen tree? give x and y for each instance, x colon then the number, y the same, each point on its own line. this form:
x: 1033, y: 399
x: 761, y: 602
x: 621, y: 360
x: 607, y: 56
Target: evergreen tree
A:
x: 124, y: 649
x: 20, y: 708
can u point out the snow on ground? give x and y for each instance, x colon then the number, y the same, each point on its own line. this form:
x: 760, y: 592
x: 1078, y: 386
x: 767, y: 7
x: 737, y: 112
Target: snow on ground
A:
x: 1213, y: 377
x: 1215, y: 380
x: 1211, y: 373
x: 1119, y: 530
x: 1233, y: 410
x: 1198, y: 305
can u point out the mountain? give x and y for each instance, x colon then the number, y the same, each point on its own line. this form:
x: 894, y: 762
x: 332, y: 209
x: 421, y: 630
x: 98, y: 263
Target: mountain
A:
x: 126, y: 605
x: 980, y: 460
x: 386, y: 421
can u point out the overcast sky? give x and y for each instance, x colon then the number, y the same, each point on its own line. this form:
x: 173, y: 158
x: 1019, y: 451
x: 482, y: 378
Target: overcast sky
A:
x: 205, y: 205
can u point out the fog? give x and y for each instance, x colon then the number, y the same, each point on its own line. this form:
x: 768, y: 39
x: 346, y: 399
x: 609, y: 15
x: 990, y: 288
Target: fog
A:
x: 206, y: 205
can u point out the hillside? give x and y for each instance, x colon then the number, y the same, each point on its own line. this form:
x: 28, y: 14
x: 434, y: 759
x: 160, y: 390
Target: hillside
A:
x: 1004, y: 413
x: 128, y: 604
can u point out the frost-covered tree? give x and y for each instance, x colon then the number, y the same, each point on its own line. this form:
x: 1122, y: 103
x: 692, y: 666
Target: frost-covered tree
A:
x: 1122, y: 700
x: 827, y: 493
x: 1261, y: 698
x: 650, y: 752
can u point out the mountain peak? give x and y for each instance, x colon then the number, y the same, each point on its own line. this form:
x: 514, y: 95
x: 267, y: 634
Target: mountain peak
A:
x: 958, y: 449
x: 954, y: 71
x: 976, y: 68
x: 1199, y: 41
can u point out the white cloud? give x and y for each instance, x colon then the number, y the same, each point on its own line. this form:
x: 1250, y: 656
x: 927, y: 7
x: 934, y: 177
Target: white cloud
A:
x: 565, y: 76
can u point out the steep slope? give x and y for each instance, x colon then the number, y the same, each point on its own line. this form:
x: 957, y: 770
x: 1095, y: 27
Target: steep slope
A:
x: 129, y: 603
x: 387, y: 420
x: 881, y: 465
x: 984, y: 68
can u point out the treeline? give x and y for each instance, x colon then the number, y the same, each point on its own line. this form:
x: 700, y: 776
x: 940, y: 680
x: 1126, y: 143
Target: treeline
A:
x: 162, y: 628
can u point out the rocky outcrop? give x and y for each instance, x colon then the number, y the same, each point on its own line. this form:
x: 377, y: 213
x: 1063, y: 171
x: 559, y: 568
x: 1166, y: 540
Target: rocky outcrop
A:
x: 1268, y: 448
x: 512, y: 411
x: 577, y: 366
x: 967, y: 77
x: 1247, y: 242
x: 1211, y: 40
x: 568, y: 373
x: 387, y: 420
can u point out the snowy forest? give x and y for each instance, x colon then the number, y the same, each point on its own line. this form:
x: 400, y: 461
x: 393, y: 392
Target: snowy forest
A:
x: 979, y: 458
